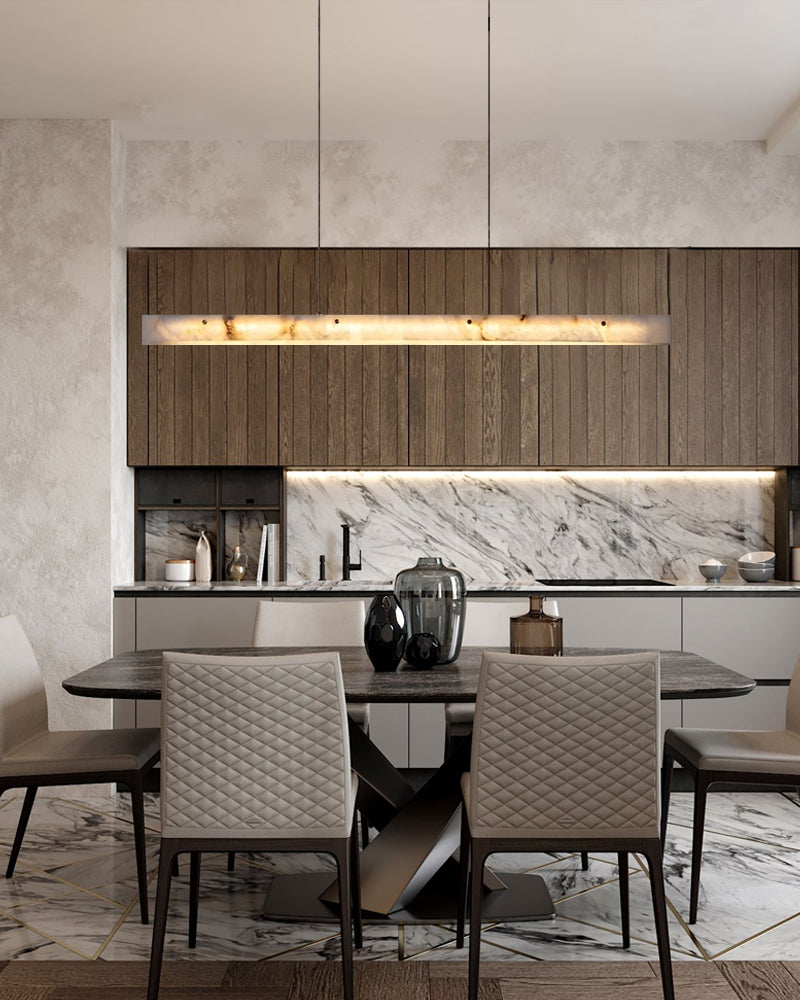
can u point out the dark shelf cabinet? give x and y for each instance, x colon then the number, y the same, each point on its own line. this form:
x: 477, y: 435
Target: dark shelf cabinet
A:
x: 231, y: 504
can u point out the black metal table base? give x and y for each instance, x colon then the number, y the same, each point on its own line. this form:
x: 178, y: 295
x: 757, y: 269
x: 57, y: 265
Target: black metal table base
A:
x: 296, y: 897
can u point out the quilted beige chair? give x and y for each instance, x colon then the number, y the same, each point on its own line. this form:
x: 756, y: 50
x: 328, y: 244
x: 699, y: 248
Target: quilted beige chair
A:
x: 564, y: 757
x: 33, y: 755
x: 255, y: 756
x: 742, y: 756
x: 321, y: 623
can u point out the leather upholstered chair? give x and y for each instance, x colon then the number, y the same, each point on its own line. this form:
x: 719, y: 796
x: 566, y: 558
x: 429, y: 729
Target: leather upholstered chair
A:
x: 712, y: 756
x: 33, y: 755
x: 323, y: 623
x: 564, y: 757
x: 255, y: 756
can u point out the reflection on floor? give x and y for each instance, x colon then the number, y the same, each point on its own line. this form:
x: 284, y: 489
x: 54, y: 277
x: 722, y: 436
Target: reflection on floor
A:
x: 74, y: 893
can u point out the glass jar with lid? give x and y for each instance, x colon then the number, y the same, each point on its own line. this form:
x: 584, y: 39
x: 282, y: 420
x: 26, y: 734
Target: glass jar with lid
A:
x: 433, y: 599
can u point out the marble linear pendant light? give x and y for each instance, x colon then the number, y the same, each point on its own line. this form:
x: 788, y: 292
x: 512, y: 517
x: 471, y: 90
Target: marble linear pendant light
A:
x: 362, y: 330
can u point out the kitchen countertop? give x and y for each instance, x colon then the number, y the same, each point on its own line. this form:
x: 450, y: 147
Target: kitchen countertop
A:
x: 476, y: 588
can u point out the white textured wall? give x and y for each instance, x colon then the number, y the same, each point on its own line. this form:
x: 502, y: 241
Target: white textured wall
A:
x: 403, y: 194
x: 55, y: 281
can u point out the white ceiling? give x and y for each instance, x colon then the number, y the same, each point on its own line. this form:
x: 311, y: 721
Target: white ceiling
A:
x: 409, y: 69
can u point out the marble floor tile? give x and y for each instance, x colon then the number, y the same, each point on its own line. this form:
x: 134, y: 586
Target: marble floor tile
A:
x: 746, y: 886
x: 74, y: 893
x: 772, y: 818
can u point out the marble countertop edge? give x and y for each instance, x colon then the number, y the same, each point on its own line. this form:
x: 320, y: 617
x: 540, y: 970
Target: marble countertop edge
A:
x: 475, y: 588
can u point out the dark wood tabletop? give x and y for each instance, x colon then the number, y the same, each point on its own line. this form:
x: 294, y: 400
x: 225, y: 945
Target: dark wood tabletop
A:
x: 138, y: 675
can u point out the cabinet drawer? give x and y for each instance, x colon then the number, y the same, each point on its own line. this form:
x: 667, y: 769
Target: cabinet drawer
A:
x: 245, y: 487
x: 185, y: 487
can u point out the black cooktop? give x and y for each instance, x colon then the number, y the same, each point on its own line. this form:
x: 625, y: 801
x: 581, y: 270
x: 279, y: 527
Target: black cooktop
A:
x: 606, y: 583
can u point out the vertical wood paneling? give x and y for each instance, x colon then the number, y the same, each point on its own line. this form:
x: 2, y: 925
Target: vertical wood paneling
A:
x: 218, y: 366
x: 255, y: 263
x: 473, y: 414
x: 138, y: 279
x: 201, y: 365
x: 165, y: 362
x: 184, y: 363
x: 236, y: 374
x: 733, y: 374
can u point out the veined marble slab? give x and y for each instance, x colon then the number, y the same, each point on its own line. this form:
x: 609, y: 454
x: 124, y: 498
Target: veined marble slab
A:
x: 521, y: 525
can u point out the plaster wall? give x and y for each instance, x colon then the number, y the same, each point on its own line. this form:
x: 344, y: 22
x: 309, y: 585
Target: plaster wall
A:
x: 604, y: 194
x: 55, y: 492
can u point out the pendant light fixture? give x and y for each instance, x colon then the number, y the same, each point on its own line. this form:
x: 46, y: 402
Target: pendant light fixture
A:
x: 360, y: 330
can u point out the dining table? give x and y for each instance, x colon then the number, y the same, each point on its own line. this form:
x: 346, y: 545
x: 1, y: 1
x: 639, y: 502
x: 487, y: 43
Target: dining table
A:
x: 408, y: 870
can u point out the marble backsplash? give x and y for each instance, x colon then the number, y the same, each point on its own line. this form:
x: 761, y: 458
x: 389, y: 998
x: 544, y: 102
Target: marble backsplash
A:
x: 514, y: 525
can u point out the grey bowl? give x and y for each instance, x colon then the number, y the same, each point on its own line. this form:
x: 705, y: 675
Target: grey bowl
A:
x: 713, y: 571
x: 755, y: 572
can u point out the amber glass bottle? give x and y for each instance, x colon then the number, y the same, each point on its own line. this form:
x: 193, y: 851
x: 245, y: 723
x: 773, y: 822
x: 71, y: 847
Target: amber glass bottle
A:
x: 536, y: 633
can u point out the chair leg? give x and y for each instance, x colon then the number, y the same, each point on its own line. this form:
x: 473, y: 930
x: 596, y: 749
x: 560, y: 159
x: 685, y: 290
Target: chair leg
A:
x: 698, y: 824
x: 584, y: 861
x: 624, y: 898
x: 231, y: 860
x: 355, y: 878
x: 134, y: 783
x: 477, y: 859
x: 24, y: 816
x: 666, y: 788
x: 346, y: 918
x: 364, y: 830
x: 463, y: 878
x: 654, y: 862
x: 165, y: 860
x: 194, y: 896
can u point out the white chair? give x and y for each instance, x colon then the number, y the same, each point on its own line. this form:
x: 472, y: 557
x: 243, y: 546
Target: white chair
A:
x: 564, y: 757
x: 486, y: 624
x: 32, y: 755
x: 255, y: 756
x: 321, y: 623
x: 712, y: 756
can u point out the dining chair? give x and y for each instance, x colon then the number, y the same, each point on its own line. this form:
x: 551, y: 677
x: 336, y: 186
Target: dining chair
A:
x: 255, y: 757
x: 32, y: 755
x: 711, y: 756
x: 564, y: 757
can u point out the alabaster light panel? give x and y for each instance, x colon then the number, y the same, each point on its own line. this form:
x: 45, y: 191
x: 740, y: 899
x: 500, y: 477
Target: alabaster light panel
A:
x: 361, y: 331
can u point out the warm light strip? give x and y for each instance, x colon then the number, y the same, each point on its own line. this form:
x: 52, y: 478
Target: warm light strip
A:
x: 363, y: 331
x: 541, y: 475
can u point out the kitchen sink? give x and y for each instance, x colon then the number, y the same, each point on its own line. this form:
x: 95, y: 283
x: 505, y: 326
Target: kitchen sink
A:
x: 605, y: 583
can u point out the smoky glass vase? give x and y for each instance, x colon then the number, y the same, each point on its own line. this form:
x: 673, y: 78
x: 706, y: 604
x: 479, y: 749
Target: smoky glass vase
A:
x: 433, y: 598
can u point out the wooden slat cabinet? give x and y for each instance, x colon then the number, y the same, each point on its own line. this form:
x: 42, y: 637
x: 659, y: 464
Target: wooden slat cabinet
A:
x: 201, y: 405
x: 348, y: 406
x: 733, y: 360
x: 473, y: 405
x: 603, y: 406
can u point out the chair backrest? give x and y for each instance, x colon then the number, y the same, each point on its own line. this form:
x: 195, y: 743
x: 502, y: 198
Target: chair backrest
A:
x: 793, y: 701
x: 566, y: 747
x: 23, y: 701
x: 254, y: 746
x: 326, y: 622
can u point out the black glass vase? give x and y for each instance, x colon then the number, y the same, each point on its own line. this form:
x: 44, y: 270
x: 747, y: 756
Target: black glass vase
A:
x: 385, y: 632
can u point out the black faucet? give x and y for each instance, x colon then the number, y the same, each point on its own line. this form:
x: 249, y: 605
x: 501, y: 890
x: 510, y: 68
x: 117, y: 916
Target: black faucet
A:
x: 346, y: 564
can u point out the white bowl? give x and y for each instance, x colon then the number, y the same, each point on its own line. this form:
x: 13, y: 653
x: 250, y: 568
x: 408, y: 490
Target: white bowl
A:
x: 757, y: 557
x: 755, y: 573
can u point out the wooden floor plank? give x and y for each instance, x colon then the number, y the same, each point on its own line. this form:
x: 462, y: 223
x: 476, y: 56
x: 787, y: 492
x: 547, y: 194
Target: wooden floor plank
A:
x: 316, y: 981
x: 262, y: 973
x: 26, y: 993
x: 629, y: 988
x: 692, y: 972
x: 761, y: 980
x: 168, y: 993
x: 63, y: 974
x: 456, y: 989
x: 392, y: 980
